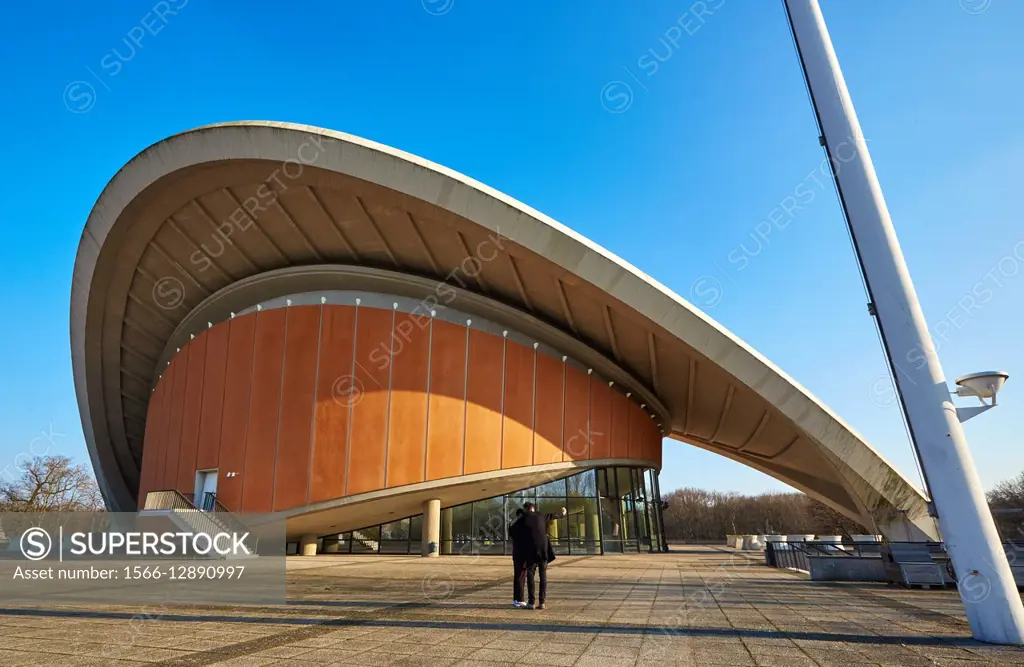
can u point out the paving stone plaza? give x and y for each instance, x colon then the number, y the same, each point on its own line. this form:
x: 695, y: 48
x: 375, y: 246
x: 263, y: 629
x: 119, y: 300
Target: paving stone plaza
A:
x: 698, y: 605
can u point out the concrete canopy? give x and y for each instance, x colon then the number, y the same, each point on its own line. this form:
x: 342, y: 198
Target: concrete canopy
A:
x: 196, y: 215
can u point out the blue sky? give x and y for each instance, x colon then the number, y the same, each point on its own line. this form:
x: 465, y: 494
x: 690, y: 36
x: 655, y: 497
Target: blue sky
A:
x: 560, y: 105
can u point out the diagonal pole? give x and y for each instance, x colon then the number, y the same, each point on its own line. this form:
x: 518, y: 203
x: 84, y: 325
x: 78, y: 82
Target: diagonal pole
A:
x: 985, y: 582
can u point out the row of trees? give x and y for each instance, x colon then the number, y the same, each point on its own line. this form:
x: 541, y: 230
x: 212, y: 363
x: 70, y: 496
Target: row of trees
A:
x: 695, y: 515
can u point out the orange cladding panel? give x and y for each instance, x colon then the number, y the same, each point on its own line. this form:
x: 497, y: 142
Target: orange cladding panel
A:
x: 517, y: 425
x: 547, y: 440
x: 621, y: 407
x: 175, y: 375
x: 213, y: 397
x: 576, y: 431
x: 636, y: 431
x: 264, y: 411
x: 447, y: 410
x: 483, y: 402
x: 334, y: 395
x: 370, y: 406
x: 190, y: 415
x: 312, y: 403
x: 407, y: 425
x: 600, y: 419
x: 298, y: 390
x: 235, y: 422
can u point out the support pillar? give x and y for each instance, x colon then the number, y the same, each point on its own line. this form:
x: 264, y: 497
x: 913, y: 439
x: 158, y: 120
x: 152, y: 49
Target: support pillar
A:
x: 307, y: 545
x: 985, y: 582
x: 431, y: 528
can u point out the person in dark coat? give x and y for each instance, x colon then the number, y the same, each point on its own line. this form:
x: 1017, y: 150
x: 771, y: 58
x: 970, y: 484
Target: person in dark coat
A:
x: 536, y: 549
x: 516, y: 534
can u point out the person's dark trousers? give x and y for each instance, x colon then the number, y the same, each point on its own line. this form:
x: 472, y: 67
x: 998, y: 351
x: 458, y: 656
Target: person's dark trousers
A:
x: 531, y: 568
x: 519, y: 569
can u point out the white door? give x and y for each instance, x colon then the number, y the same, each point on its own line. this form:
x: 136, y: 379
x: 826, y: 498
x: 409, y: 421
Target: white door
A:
x: 206, y: 482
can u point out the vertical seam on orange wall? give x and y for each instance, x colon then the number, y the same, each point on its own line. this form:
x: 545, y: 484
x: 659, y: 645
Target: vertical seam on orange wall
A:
x: 181, y: 426
x: 561, y: 435
x: 223, y: 396
x: 590, y: 415
x: 504, y: 376
x: 248, y: 410
x: 199, y: 417
x: 465, y: 401
x: 352, y: 379
x: 533, y: 412
x: 312, y: 425
x: 391, y: 373
x: 426, y: 425
x: 280, y: 405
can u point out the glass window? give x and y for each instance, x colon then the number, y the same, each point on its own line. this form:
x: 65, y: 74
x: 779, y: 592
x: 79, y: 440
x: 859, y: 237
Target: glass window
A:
x: 558, y: 529
x: 552, y: 489
x: 489, y: 520
x: 396, y: 530
x: 583, y: 519
x: 394, y: 546
x: 583, y: 485
x: 366, y: 540
x: 522, y: 495
x: 617, y: 509
x: 612, y: 546
x: 462, y: 522
x: 606, y: 482
x: 642, y: 532
x: 624, y: 481
x: 611, y: 519
x: 336, y: 544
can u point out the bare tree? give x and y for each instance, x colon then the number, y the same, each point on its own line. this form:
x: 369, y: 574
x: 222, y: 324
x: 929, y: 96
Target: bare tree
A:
x: 705, y: 516
x: 51, y: 484
x: 1008, y: 494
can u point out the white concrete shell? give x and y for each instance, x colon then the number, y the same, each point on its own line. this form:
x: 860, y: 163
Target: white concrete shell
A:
x: 342, y: 200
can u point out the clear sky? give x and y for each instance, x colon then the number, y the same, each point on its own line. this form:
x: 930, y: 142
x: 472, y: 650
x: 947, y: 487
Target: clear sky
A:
x: 666, y: 137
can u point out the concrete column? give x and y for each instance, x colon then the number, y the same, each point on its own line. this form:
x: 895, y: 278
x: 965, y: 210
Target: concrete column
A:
x: 432, y: 527
x: 307, y: 545
x: 446, y: 531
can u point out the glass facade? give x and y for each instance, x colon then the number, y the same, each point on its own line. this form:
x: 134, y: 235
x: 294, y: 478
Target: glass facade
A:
x: 609, y: 510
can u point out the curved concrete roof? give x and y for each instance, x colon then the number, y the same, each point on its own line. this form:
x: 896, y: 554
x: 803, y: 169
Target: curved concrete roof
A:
x: 286, y: 196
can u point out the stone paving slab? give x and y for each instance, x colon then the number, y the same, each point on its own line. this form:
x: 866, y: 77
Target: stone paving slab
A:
x: 695, y: 606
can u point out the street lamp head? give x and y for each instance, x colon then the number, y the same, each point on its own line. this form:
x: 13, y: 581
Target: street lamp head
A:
x: 983, y: 385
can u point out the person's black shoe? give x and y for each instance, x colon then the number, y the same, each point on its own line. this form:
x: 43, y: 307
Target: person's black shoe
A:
x: 530, y: 605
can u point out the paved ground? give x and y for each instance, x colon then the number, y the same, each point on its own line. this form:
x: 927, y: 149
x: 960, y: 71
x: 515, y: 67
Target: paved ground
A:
x: 696, y: 606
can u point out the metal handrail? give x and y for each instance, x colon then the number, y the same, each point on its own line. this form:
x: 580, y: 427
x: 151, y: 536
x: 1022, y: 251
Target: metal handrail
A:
x: 168, y: 500
x: 219, y: 520
x: 227, y: 517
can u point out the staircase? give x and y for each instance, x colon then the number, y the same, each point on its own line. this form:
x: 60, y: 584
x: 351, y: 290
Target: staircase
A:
x: 211, y: 519
x: 369, y: 544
